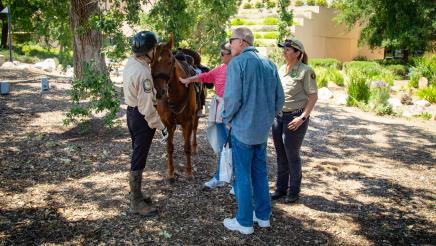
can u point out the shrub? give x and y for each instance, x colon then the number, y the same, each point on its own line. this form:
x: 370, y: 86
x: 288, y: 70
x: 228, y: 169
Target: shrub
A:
x: 399, y: 70
x: 369, y: 69
x: 247, y: 5
x: 276, y: 56
x: 414, y: 78
x: 335, y: 76
x: 322, y: 3
x: 299, y: 3
x: 325, y: 62
x: 237, y: 22
x: 257, y: 35
x: 321, y: 77
x: 250, y: 23
x: 358, y: 90
x: 425, y: 115
x: 270, y: 21
x: 428, y: 94
x: 378, y: 101
x: 270, y: 4
x: 386, y: 76
x: 311, y: 2
x: 424, y: 66
x: 259, y: 5
x: 360, y: 58
x: 270, y: 35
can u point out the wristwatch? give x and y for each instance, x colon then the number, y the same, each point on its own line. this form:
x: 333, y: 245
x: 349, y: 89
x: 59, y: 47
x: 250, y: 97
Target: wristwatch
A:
x: 303, y: 118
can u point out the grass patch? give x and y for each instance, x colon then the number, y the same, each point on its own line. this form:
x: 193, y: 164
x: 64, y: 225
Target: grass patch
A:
x: 270, y: 21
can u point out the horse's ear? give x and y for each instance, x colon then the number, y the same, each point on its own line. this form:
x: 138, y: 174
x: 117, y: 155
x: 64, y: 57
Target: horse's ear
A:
x: 171, y: 41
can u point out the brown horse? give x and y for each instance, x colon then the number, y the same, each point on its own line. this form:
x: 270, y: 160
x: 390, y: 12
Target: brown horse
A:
x: 176, y: 104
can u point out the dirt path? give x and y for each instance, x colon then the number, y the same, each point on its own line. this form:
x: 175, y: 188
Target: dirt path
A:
x: 367, y: 180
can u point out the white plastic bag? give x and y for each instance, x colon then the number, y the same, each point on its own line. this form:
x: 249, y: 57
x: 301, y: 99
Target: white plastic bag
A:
x: 226, y: 165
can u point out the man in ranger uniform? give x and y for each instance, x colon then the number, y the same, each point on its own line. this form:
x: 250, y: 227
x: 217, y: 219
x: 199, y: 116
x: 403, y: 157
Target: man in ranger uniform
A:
x: 142, y: 117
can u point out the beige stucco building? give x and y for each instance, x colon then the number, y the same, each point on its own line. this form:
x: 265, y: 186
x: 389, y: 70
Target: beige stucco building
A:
x: 323, y: 37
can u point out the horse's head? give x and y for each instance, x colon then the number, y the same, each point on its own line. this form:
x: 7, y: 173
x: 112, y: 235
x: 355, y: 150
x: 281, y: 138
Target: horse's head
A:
x: 162, y: 68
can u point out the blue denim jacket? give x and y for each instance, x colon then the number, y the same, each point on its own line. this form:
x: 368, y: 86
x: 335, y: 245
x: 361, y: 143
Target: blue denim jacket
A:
x: 253, y: 96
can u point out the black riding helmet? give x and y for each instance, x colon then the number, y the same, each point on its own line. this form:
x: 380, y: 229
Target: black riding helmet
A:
x: 143, y: 42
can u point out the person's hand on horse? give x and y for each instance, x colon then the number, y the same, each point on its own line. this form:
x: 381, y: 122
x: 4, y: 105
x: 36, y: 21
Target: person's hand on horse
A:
x: 185, y: 81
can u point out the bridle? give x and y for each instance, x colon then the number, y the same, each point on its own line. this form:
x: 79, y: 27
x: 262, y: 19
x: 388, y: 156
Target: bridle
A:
x: 168, y: 78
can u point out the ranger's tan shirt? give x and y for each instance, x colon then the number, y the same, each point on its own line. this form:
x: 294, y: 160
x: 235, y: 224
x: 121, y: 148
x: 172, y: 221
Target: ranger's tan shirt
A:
x: 139, y: 90
x: 297, y: 85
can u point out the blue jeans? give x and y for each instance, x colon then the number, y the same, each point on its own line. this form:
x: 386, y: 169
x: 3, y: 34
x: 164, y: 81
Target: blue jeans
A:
x: 251, y: 181
x: 222, y: 137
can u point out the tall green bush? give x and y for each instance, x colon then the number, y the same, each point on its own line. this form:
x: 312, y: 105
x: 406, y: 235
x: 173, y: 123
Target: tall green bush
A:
x: 358, y: 90
x: 428, y: 94
x: 335, y: 76
x: 311, y: 2
x: 378, y: 100
x: 424, y: 66
x: 321, y: 77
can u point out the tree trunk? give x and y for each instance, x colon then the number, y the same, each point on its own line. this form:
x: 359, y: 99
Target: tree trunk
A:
x: 405, y: 56
x: 87, y: 43
x: 4, y: 40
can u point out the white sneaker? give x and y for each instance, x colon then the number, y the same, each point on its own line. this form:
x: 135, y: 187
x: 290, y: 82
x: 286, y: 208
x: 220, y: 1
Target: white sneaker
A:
x: 213, y: 183
x: 233, y: 225
x: 232, y: 191
x: 261, y: 223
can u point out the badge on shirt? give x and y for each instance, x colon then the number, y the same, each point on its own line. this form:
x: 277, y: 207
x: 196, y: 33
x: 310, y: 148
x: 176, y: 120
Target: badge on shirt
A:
x: 294, y: 74
x: 147, y: 85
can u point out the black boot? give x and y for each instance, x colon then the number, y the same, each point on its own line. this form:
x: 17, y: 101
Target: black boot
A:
x: 137, y: 203
x: 277, y: 195
x: 292, y: 198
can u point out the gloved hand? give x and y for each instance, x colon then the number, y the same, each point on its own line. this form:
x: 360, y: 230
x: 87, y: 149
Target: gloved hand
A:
x: 164, y: 133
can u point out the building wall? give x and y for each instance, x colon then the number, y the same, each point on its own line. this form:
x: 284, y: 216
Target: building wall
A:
x: 324, y: 38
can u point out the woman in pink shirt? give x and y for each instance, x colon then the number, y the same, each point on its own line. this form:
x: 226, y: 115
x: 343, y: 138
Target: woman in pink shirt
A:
x: 217, y: 133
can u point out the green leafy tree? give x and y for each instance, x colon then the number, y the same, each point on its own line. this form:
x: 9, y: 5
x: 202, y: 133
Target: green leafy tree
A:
x: 402, y: 24
x: 286, y: 19
x: 199, y: 24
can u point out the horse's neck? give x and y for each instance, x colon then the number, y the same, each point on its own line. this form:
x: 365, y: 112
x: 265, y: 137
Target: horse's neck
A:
x: 181, y: 91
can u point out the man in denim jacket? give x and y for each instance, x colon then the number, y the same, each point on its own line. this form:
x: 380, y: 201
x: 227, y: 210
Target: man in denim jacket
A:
x: 252, y: 98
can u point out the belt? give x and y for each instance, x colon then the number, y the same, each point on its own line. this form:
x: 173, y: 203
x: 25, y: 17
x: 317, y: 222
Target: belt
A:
x: 130, y: 107
x: 297, y: 111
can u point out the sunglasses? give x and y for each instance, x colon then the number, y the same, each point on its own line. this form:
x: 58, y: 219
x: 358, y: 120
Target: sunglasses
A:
x: 225, y: 53
x: 231, y: 40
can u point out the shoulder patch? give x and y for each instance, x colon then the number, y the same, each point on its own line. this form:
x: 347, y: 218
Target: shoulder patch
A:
x: 313, y: 76
x: 146, y: 83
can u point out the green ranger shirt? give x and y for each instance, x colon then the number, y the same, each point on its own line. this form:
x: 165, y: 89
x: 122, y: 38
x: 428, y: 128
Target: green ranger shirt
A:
x: 297, y: 83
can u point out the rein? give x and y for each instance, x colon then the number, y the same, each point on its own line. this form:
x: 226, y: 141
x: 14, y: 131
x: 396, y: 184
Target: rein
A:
x: 168, y: 79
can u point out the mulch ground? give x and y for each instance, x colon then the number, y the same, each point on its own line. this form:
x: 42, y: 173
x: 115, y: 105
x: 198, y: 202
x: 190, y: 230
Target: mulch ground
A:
x: 367, y: 180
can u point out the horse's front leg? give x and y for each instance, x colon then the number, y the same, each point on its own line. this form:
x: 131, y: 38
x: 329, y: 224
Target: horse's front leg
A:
x: 194, y: 135
x: 187, y: 132
x: 170, y: 150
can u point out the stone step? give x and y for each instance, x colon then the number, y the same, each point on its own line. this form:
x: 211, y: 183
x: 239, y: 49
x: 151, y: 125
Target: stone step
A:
x: 259, y: 28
